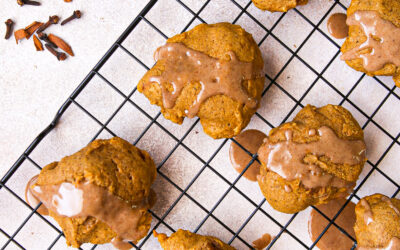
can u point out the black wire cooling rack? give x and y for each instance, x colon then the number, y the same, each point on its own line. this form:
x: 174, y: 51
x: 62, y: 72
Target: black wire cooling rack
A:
x: 257, y: 207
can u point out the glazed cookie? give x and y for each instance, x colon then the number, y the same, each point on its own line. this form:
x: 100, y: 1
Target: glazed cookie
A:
x: 183, y: 239
x: 378, y: 222
x: 373, y: 44
x: 313, y: 159
x: 100, y: 194
x: 214, y: 72
x: 278, y: 5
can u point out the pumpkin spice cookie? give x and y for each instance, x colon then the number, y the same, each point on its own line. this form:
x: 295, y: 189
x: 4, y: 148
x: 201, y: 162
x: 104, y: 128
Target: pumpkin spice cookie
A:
x: 378, y: 222
x: 183, y: 239
x: 100, y: 194
x: 278, y: 5
x: 313, y: 159
x: 214, y: 72
x: 373, y: 43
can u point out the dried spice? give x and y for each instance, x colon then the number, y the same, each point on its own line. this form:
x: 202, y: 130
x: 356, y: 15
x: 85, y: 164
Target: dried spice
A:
x: 38, y: 44
x: 43, y: 37
x: 9, y: 23
x: 60, y: 55
x: 52, y: 20
x: 20, y: 34
x: 61, y: 44
x: 52, y: 42
x: 30, y: 29
x: 76, y: 15
x: 28, y: 2
x: 68, y: 1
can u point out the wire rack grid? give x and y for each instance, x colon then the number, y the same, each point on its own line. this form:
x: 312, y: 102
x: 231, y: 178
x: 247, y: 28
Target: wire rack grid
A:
x: 289, y: 229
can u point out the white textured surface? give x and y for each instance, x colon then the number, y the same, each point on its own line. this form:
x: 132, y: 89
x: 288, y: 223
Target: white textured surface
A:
x: 34, y: 85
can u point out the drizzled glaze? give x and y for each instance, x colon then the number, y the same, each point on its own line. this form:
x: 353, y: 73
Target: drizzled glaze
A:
x: 89, y: 199
x: 383, y: 41
x: 288, y: 189
x: 333, y: 238
x: 337, y: 26
x: 368, y: 215
x: 390, y: 204
x: 184, y: 65
x: 31, y: 199
x: 262, y: 242
x: 251, y: 140
x: 286, y: 158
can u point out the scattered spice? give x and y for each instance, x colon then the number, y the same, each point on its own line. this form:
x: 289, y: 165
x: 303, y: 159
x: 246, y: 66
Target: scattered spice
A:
x: 30, y: 29
x: 43, y: 37
x: 9, y: 23
x: 28, y: 2
x: 52, y: 42
x: 38, y: 44
x: 76, y: 15
x: 61, y: 44
x: 20, y: 34
x: 52, y: 20
x: 60, y: 55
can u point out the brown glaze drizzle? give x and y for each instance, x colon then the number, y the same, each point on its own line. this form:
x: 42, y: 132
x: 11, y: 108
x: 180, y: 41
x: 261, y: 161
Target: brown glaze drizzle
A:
x: 288, y: 189
x: 337, y: 26
x: 383, y: 41
x: 390, y: 204
x: 31, y: 199
x: 184, y: 65
x: 121, y: 244
x: 262, y: 242
x: 286, y: 158
x: 394, y: 244
x: 251, y: 140
x: 368, y: 215
x: 88, y: 199
x: 333, y: 238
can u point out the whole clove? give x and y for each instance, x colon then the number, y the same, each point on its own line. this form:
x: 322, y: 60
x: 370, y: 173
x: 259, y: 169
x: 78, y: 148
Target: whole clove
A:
x: 38, y: 44
x: 76, y: 15
x: 61, y: 56
x: 52, y: 20
x: 45, y: 38
x: 61, y: 44
x: 28, y: 2
x: 9, y: 23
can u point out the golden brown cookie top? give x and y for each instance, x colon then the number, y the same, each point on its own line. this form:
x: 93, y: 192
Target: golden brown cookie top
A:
x: 100, y: 193
x: 321, y: 129
x: 216, y: 40
x: 222, y: 114
x: 387, y: 9
x: 87, y: 200
x: 311, y: 160
x: 184, y: 65
x: 374, y: 27
x: 278, y: 5
x: 378, y: 221
x: 382, y: 41
x: 114, y: 164
x: 183, y: 240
